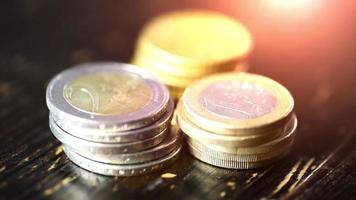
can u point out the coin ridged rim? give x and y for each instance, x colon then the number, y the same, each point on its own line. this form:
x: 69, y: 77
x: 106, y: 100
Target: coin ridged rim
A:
x: 172, y: 141
x: 149, y: 113
x: 154, y: 64
x: 199, y: 116
x: 198, y: 133
x: 82, y: 145
x: 285, y: 139
x: 119, y: 136
x: 240, y: 157
x: 122, y: 170
x: 175, y: 59
x: 229, y: 164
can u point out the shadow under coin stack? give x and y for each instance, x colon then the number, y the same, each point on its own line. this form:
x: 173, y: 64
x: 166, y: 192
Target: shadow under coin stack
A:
x: 113, y: 119
x: 237, y: 120
x: 183, y: 46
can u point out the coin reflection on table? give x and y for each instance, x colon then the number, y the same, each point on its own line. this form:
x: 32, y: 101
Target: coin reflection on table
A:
x: 183, y: 46
x: 113, y: 119
x: 237, y: 120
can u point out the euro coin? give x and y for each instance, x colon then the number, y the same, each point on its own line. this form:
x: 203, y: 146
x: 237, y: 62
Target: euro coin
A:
x: 156, y: 66
x: 168, y: 37
x: 286, y: 139
x: 120, y: 136
x: 237, y: 104
x: 122, y: 170
x: 232, y: 164
x: 106, y: 96
x: 81, y: 145
x: 211, y: 138
x: 239, y: 157
x: 170, y: 143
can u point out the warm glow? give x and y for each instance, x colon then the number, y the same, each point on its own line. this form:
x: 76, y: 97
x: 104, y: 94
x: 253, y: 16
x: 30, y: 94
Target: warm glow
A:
x: 292, y: 5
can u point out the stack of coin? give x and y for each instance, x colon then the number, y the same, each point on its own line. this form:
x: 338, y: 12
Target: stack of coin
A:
x: 113, y: 119
x: 237, y: 120
x: 183, y: 46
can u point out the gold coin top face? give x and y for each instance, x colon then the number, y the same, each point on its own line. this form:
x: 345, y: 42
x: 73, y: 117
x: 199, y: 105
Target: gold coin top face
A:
x: 199, y: 35
x: 107, y: 93
x: 237, y: 100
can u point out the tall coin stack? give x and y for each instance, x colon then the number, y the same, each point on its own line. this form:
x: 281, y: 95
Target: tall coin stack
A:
x: 113, y: 119
x: 237, y: 120
x: 183, y: 46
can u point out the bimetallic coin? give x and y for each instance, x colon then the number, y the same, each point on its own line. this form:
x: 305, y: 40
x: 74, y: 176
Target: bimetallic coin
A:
x: 122, y: 170
x: 231, y: 164
x: 169, y: 144
x: 202, y: 135
x: 227, y: 40
x: 118, y: 136
x: 284, y: 140
x: 84, y: 146
x: 104, y: 96
x: 239, y: 157
x: 237, y: 103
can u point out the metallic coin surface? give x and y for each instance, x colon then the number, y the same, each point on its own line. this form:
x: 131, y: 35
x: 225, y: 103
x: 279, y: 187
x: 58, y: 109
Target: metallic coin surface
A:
x: 286, y: 139
x: 107, y: 93
x: 84, y: 146
x: 240, y: 157
x: 232, y: 164
x: 204, y: 136
x: 227, y: 39
x: 122, y: 170
x: 231, y: 102
x: 169, y: 144
x: 155, y: 64
x: 92, y: 96
x: 119, y: 136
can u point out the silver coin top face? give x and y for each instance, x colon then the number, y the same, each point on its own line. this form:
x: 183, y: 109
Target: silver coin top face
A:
x: 237, y: 100
x: 106, y: 93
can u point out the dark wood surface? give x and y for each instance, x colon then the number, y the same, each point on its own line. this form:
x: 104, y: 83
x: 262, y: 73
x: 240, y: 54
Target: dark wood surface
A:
x: 314, y: 55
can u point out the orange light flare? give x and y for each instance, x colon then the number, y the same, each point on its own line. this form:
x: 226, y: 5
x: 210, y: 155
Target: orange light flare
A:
x: 291, y: 7
x: 296, y: 39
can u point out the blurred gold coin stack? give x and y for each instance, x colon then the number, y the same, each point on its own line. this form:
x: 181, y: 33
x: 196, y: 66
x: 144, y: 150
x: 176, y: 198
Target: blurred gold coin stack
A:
x: 183, y: 46
x: 237, y: 120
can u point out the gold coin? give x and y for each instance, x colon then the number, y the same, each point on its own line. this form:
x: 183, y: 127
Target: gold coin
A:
x: 196, y: 38
x: 237, y: 103
x: 228, y: 141
x: 175, y: 92
x: 107, y: 93
x: 154, y: 63
x: 286, y: 139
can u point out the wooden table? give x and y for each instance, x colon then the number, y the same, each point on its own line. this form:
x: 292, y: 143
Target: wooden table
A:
x: 315, y: 59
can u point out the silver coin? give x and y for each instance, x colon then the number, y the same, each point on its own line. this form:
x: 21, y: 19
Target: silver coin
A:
x: 106, y: 96
x: 119, y: 136
x: 240, y: 157
x: 285, y: 139
x: 81, y: 145
x: 233, y: 164
x: 122, y: 170
x: 169, y: 144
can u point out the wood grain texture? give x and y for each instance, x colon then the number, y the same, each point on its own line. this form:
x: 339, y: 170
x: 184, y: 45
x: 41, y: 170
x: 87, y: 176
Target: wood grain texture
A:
x: 41, y: 38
